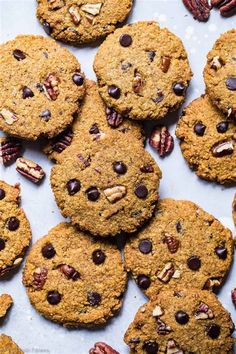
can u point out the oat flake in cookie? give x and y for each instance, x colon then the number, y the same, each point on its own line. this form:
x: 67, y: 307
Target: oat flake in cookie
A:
x: 15, y: 232
x: 74, y: 279
x: 93, y: 122
x: 196, y: 249
x: 41, y: 87
x: 147, y: 73
x: 208, y: 141
x: 220, y: 73
x: 107, y: 188
x: 7, y: 346
x: 181, y: 321
x: 81, y: 21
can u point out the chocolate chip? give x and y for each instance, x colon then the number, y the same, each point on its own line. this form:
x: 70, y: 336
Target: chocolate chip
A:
x: 141, y: 191
x: 94, y: 129
x: 179, y: 227
x: 53, y: 297
x: 222, y: 127
x: 78, y: 79
x: 213, y: 331
x: 13, y: 223
x: 145, y: 246
x: 98, y: 257
x: 46, y: 115
x: 151, y: 347
x: 114, y: 91
x: 94, y: 298
x: 231, y: 83
x: 19, y: 55
x: 125, y: 40
x: 194, y: 263
x: 2, y: 244
x: 221, y: 252
x: 179, y: 89
x: 48, y: 251
x: 73, y: 186
x: 2, y: 194
x: 119, y: 167
x: 160, y: 97
x: 27, y: 92
x: 199, y: 129
x: 93, y: 194
x: 47, y: 28
x: 151, y: 55
x: 182, y: 317
x: 143, y: 281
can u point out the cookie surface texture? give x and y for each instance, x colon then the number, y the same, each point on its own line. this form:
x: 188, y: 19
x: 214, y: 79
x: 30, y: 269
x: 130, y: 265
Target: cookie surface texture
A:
x: 7, y: 346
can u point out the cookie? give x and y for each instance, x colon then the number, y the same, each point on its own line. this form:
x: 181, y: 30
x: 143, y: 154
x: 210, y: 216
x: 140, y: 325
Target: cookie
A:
x: 94, y: 120
x: 41, y: 87
x: 108, y: 188
x: 7, y: 346
x: 234, y: 209
x: 15, y: 232
x: 181, y: 246
x: 142, y: 71
x: 181, y: 321
x: 81, y: 21
x: 73, y: 279
x: 5, y: 304
x: 220, y: 73
x: 208, y: 141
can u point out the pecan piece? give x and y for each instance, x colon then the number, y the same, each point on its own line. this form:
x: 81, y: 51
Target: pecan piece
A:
x: 147, y: 169
x: 30, y: 170
x: 62, y: 141
x: 165, y: 64
x: 233, y: 296
x: 204, y: 312
x: 39, y: 278
x: 172, y: 243
x: 161, y: 140
x: 114, y: 118
x: 69, y: 272
x: 137, y: 82
x: 74, y: 12
x: 173, y: 348
x: 157, y: 312
x: 10, y: 150
x: 114, y: 194
x: 200, y: 9
x: 217, y: 63
x: 56, y: 4
x: 212, y: 284
x: 167, y: 273
x: 223, y: 148
x: 102, y: 348
x: 8, y: 116
x: 92, y: 9
x: 50, y: 87
x: 227, y: 7
x: 163, y: 328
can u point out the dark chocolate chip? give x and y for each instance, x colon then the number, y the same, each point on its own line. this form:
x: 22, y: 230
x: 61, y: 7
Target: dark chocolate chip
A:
x: 93, y: 194
x: 199, y: 129
x: 141, y: 191
x: 151, y: 55
x: 46, y: 115
x: 53, y: 297
x: 114, y: 91
x: 2, y: 244
x: 47, y: 28
x: 231, y: 83
x: 13, y: 223
x: 179, y: 89
x: 2, y: 194
x: 94, y: 129
x: 151, y: 347
x: 125, y: 40
x: 194, y: 263
x: 78, y: 79
x: 98, y: 257
x: 145, y: 246
x: 143, y: 281
x: 27, y: 92
x: 221, y: 252
x: 48, y: 251
x: 222, y: 127
x: 182, y: 317
x: 94, y: 298
x: 119, y: 167
x: 73, y: 186
x: 179, y: 227
x: 19, y: 55
x: 213, y: 331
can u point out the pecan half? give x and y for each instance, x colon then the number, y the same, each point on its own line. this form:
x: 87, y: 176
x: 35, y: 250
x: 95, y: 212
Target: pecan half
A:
x: 204, y: 312
x: 173, y: 348
x: 114, y: 194
x: 163, y: 328
x: 75, y: 15
x: 10, y: 150
x: 102, y: 348
x: 39, y: 278
x: 8, y: 116
x: 62, y: 141
x: 69, y: 272
x: 172, y: 243
x: 227, y: 7
x: 50, y: 87
x: 200, y: 9
x: 30, y: 170
x: 167, y: 273
x: 114, y: 118
x: 161, y: 140
x: 223, y: 148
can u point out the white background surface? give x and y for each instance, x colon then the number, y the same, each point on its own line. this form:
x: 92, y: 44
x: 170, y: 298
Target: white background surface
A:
x: 32, y: 332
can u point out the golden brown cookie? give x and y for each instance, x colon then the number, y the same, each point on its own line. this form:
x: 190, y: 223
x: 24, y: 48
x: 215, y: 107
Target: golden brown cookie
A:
x: 7, y: 346
x: 208, y: 141
x: 75, y: 279
x: 181, y: 321
x: 41, y: 87
x: 142, y: 71
x: 81, y: 21
x: 182, y: 246
x: 234, y: 209
x: 6, y: 302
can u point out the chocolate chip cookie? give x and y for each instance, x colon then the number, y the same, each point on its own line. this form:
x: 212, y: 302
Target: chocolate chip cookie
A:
x: 208, y: 141
x: 143, y: 71
x: 5, y: 304
x: 181, y: 321
x: 107, y: 188
x: 220, y: 73
x: 81, y: 21
x: 93, y: 121
x: 234, y: 209
x: 7, y: 346
x: 181, y: 246
x: 41, y: 87
x: 73, y: 279
x: 15, y: 232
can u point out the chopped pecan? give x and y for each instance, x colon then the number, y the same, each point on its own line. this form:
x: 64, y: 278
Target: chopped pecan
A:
x: 30, y: 170
x: 56, y: 4
x: 114, y: 194
x: 227, y: 7
x: 157, y: 312
x: 173, y: 348
x: 114, y: 118
x: 51, y: 86
x: 86, y: 162
x: 217, y: 63
x: 212, y: 284
x: 92, y: 9
x: 10, y: 150
x: 223, y: 148
x: 165, y: 64
x: 204, y: 312
x: 69, y: 272
x: 162, y: 327
x: 8, y: 116
x: 161, y: 140
x: 137, y: 82
x: 74, y: 12
x: 63, y: 140
x: 102, y: 348
x: 167, y: 273
x: 172, y: 243
x: 147, y: 169
x: 200, y: 9
x: 39, y: 278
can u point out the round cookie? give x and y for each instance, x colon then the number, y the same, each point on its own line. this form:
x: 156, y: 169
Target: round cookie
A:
x: 73, y: 279
x: 181, y: 321
x: 220, y: 73
x: 15, y: 232
x: 81, y: 21
x: 208, y: 141
x: 107, y: 188
x: 41, y: 87
x: 7, y: 346
x: 234, y: 209
x: 93, y: 120
x: 181, y: 246
x: 147, y: 73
